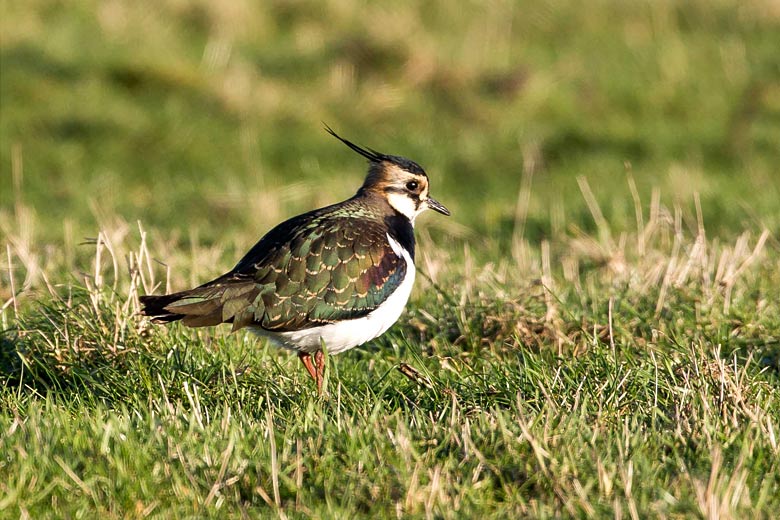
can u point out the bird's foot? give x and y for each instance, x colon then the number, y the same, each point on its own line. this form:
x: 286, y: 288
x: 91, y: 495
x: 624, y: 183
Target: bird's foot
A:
x: 315, y: 367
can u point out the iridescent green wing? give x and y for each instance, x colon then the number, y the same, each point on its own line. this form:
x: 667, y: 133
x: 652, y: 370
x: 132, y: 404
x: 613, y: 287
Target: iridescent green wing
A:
x: 342, y: 268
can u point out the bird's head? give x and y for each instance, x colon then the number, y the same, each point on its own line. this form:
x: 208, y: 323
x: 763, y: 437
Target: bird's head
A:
x: 402, y: 182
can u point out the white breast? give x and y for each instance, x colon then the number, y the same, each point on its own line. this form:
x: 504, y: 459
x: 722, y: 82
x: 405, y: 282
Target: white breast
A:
x: 347, y: 334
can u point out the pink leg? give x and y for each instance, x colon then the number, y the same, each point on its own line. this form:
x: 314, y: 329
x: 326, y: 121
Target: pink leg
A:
x: 305, y: 358
x: 319, y: 361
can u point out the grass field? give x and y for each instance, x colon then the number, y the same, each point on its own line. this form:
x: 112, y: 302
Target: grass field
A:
x: 595, y: 332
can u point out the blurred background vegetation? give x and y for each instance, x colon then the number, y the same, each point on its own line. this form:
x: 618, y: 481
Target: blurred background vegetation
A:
x: 203, y: 119
x: 595, y: 328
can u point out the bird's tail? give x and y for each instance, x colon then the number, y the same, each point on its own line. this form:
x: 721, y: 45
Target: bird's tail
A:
x: 155, y: 307
x: 203, y: 306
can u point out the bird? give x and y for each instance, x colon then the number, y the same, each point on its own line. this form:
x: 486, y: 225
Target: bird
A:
x: 337, y: 276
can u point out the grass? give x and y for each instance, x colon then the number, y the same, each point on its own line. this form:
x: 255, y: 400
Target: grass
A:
x: 594, y: 332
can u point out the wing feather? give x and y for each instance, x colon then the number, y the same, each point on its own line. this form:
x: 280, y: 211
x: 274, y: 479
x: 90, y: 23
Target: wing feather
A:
x: 350, y: 276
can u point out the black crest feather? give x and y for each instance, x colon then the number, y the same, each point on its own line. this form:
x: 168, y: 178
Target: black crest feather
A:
x: 377, y: 157
x: 368, y: 153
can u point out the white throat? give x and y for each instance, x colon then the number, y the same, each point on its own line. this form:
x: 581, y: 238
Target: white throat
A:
x: 405, y: 206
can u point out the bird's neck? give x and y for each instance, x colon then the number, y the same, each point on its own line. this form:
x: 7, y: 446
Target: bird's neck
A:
x: 400, y: 228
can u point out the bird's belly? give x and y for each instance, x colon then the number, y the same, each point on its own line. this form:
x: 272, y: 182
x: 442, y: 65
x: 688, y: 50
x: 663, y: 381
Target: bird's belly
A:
x: 348, y: 334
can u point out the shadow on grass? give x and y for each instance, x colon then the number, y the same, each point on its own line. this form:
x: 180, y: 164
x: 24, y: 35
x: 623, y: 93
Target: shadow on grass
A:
x: 37, y: 371
x: 10, y: 362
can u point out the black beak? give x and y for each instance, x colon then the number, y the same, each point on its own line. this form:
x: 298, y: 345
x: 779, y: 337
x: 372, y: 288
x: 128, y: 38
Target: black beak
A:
x: 435, y: 205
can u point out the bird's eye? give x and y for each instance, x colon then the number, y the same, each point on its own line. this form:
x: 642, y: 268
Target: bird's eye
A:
x: 411, y: 185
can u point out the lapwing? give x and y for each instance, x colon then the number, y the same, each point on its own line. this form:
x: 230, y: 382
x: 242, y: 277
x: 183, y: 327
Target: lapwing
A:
x: 338, y: 276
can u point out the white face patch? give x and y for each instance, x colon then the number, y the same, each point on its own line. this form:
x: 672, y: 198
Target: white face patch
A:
x: 405, y: 205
